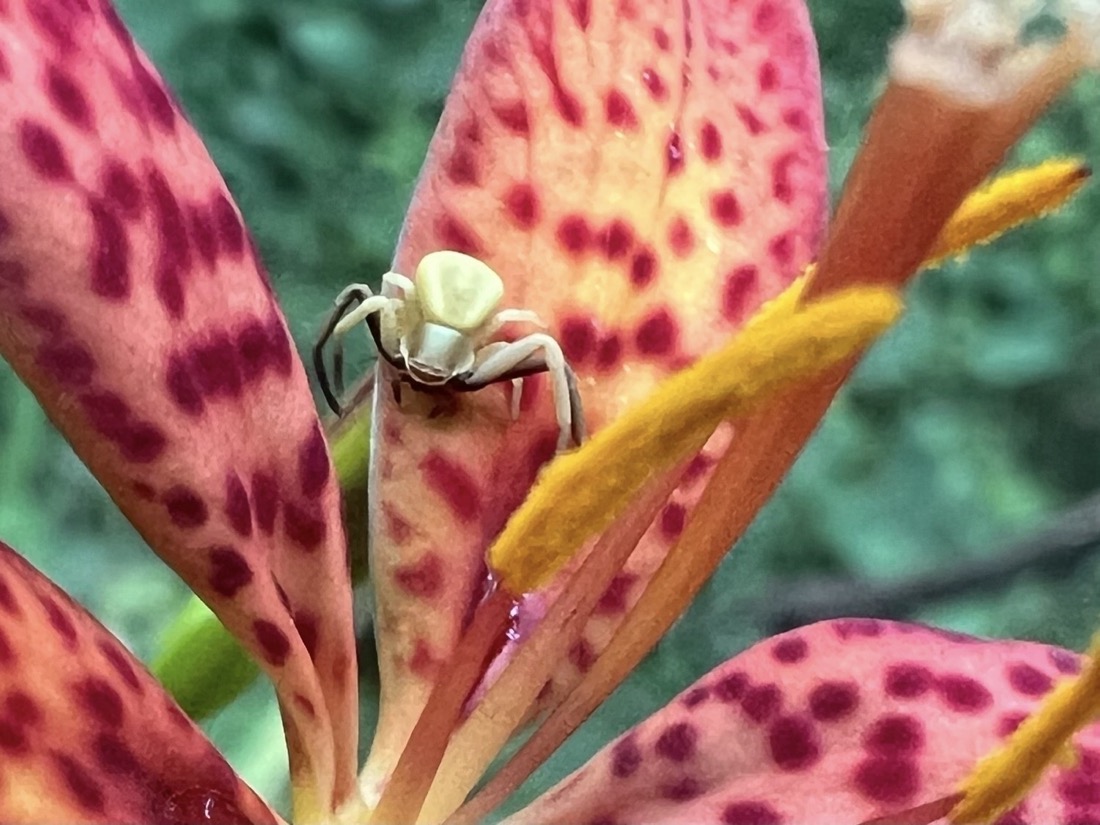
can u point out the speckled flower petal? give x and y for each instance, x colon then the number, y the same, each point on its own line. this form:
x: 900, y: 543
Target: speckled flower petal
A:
x: 86, y: 734
x: 133, y: 303
x: 838, y: 722
x: 643, y: 174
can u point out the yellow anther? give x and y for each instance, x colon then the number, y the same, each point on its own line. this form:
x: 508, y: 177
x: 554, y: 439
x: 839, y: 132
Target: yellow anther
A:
x: 1005, y: 776
x: 581, y: 493
x: 1008, y: 201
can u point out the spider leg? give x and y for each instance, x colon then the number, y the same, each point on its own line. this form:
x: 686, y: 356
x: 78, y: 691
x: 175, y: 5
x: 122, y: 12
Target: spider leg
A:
x: 508, y: 316
x: 533, y: 352
x: 349, y: 296
x: 399, y: 281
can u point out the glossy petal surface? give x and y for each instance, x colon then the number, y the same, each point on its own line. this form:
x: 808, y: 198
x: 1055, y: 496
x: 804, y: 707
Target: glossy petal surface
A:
x: 86, y: 734
x: 841, y: 721
x: 133, y: 303
x: 642, y: 174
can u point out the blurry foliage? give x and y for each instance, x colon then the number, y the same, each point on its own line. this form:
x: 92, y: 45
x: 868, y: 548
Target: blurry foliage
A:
x: 975, y: 420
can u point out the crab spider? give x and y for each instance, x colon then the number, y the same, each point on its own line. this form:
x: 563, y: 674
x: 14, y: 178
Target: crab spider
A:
x: 438, y: 337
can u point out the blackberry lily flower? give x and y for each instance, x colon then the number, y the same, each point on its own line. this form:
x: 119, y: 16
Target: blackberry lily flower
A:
x: 646, y: 175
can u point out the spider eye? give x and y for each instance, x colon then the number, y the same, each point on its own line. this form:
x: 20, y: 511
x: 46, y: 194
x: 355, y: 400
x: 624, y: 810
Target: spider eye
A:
x: 457, y: 290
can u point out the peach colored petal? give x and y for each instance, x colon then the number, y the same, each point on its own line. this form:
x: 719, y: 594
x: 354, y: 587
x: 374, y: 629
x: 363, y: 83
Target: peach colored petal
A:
x: 86, y: 734
x: 643, y: 174
x: 841, y: 721
x: 133, y: 303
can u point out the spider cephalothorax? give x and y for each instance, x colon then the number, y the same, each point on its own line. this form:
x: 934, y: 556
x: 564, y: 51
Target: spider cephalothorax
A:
x: 439, y: 337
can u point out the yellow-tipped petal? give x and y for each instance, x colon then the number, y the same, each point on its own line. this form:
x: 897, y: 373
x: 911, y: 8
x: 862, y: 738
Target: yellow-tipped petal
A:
x: 1008, y: 201
x: 1005, y: 776
x: 768, y: 356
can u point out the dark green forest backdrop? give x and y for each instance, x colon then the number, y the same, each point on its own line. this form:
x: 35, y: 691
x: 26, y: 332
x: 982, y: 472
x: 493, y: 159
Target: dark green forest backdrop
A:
x: 974, y: 425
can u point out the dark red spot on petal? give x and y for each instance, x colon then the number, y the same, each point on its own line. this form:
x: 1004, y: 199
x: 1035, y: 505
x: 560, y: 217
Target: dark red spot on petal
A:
x: 458, y: 236
x: 182, y: 388
x: 907, y: 680
x: 681, y: 239
x: 185, y: 507
x: 305, y: 527
x: 513, y: 116
x: 620, y: 111
x: 677, y: 742
x: 883, y: 779
x: 655, y: 84
x: 274, y: 645
x: 121, y: 664
x: 202, y: 232
x: 523, y: 205
x: 578, y: 338
x: 461, y: 167
x: 110, y: 254
x: 265, y: 499
x: 657, y: 334
x: 99, y: 699
x: 662, y: 40
x: 963, y: 694
x: 1028, y: 680
x: 1066, y: 661
x: 609, y: 351
x: 672, y: 520
x: 306, y: 625
x: 314, y: 468
x: 643, y: 267
x: 768, y: 76
x: 215, y: 367
x: 228, y: 226
x: 21, y: 709
x: 238, y: 510
x: 60, y: 621
x: 753, y: 124
x: 422, y: 579
x: 696, y: 696
x: 682, y: 789
x: 1008, y: 723
x: 895, y: 735
x: 750, y: 813
x: 626, y: 758
x: 725, y: 208
x: 833, y: 701
x: 731, y: 687
x: 68, y: 363
x: 781, y: 248
x: 454, y: 484
x: 67, y: 97
x: 574, y: 234
x: 80, y: 783
x: 791, y: 649
x: 614, y: 599
x: 616, y: 239
x: 229, y: 571
x: 121, y: 190
x: 793, y: 743
x: 782, y: 188
x: 156, y: 98
x: 43, y: 151
x: 710, y: 141
x: 582, y: 656
x: 762, y: 702
x: 114, y: 756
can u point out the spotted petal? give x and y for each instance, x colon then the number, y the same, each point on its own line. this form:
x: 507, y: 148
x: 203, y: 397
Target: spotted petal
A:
x: 86, y: 734
x: 841, y: 721
x: 643, y: 174
x: 133, y: 303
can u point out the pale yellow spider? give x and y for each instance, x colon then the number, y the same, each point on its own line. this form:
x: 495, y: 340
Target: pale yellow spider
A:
x: 438, y: 337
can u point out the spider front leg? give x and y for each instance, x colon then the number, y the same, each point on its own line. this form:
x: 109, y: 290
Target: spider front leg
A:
x: 535, y: 353
x: 342, y: 319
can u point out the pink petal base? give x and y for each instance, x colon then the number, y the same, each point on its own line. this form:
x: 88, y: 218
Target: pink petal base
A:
x: 838, y: 722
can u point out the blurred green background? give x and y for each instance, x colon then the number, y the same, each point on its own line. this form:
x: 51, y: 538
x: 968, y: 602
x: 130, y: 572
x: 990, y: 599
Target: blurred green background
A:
x: 975, y: 423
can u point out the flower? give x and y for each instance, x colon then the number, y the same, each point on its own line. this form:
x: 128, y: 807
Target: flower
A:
x: 610, y: 160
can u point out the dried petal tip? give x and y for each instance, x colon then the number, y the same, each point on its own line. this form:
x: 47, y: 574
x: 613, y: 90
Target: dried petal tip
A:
x: 974, y: 51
